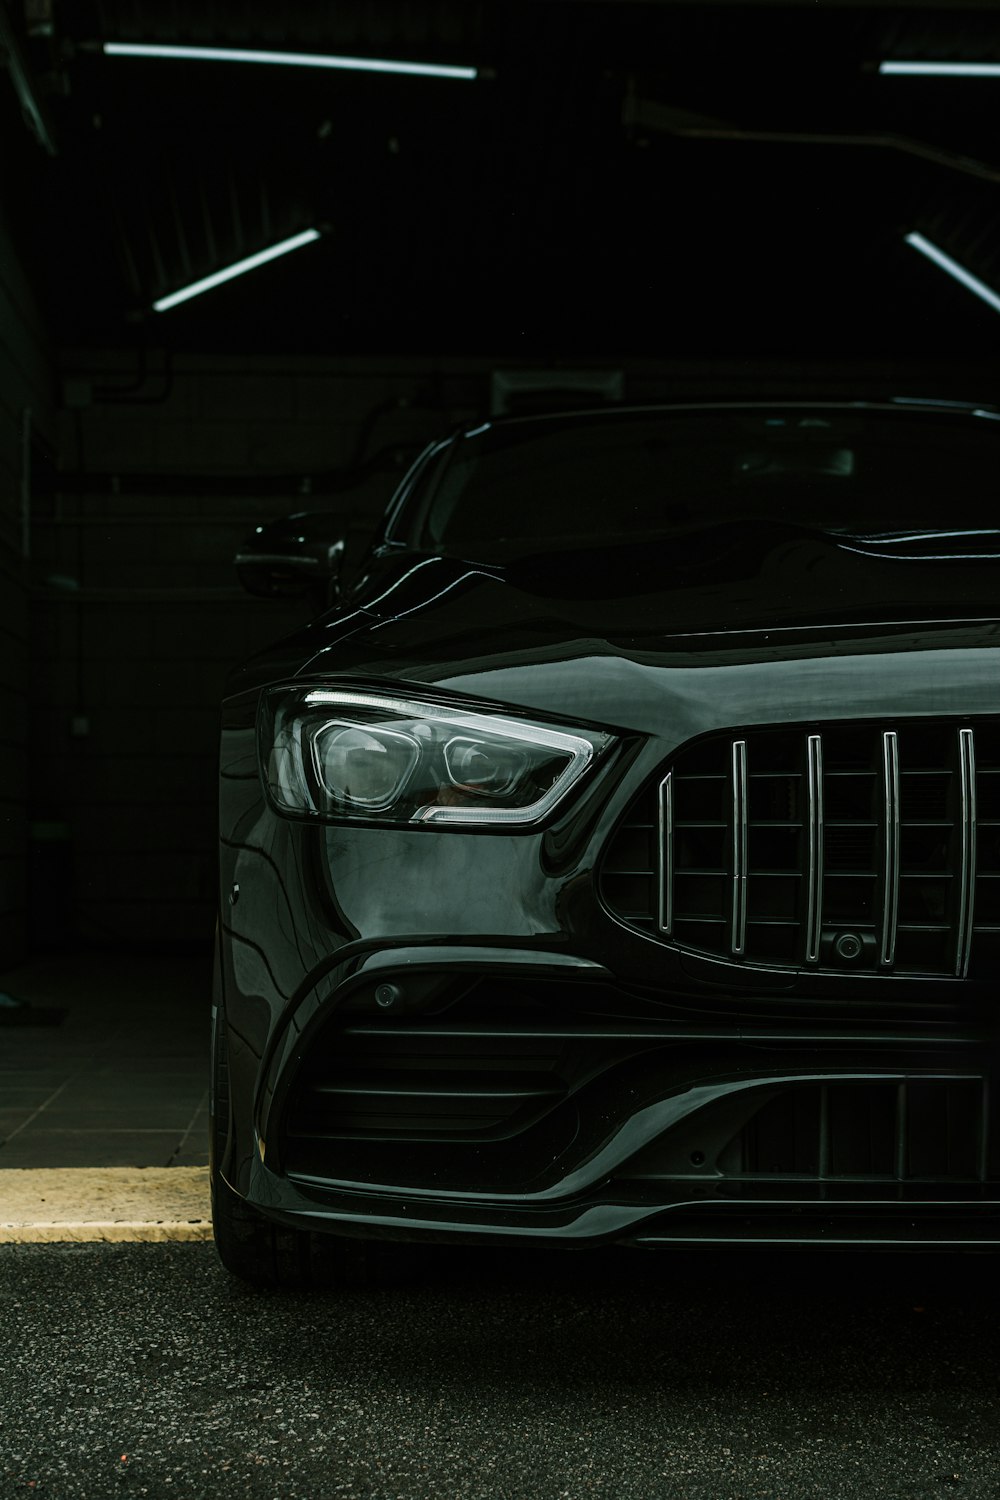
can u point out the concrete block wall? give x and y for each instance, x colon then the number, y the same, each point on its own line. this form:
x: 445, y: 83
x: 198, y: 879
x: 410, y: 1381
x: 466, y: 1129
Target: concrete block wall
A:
x: 26, y: 397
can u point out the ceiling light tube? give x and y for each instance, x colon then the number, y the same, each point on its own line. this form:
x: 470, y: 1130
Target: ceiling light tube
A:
x: 953, y: 268
x: 940, y: 69
x: 289, y: 59
x: 236, y: 269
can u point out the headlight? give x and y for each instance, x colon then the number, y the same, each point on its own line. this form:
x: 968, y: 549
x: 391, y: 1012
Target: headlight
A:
x: 339, y: 754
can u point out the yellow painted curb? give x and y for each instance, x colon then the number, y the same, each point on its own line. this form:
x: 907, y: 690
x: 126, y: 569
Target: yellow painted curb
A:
x: 43, y: 1205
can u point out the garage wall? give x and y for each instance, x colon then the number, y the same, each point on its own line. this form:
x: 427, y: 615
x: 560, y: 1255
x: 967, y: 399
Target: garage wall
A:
x: 26, y: 383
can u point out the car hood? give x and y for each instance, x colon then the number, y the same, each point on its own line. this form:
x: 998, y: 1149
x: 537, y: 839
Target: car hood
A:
x: 721, y: 580
x: 756, y: 623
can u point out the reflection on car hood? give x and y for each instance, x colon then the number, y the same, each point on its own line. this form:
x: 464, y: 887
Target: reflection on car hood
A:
x: 722, y: 579
x: 773, y: 622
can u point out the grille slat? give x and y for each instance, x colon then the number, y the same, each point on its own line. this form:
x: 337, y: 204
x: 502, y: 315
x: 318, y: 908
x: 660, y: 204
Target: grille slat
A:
x: 890, y: 847
x: 967, y: 873
x: 831, y: 847
x: 665, y: 826
x: 814, y: 890
x: 740, y: 829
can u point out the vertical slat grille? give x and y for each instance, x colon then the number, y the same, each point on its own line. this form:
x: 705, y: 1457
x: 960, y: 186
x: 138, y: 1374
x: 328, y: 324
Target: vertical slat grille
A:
x: 834, y: 847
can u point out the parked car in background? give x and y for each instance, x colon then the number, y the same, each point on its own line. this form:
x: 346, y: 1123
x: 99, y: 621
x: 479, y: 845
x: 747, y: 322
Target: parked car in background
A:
x: 617, y: 859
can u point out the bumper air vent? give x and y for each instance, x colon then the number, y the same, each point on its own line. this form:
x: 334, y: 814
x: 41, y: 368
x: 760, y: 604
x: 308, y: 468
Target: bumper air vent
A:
x: 400, y: 1085
x: 844, y: 1137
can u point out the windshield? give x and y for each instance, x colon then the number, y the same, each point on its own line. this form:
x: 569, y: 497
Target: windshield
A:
x: 636, y: 476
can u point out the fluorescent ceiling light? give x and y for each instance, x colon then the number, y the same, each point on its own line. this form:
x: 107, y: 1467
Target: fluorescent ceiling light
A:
x: 237, y: 269
x: 954, y: 269
x: 289, y: 59
x: 941, y: 69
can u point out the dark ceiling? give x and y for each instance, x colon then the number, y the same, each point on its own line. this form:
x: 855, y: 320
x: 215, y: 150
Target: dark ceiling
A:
x: 653, y: 179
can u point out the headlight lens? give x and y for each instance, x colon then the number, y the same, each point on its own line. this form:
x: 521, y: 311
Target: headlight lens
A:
x: 341, y: 754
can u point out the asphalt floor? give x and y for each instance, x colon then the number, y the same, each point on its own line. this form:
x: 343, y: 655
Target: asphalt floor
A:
x: 636, y: 1375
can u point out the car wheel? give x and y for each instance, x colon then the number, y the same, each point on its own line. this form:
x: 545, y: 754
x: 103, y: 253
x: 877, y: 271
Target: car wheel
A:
x: 252, y: 1246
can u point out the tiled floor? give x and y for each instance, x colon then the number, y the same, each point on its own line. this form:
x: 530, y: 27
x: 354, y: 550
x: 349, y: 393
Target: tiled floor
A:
x: 122, y: 1079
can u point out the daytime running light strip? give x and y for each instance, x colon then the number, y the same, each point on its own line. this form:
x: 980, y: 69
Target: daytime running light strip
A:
x: 941, y: 69
x: 953, y: 268
x: 237, y: 269
x: 289, y: 59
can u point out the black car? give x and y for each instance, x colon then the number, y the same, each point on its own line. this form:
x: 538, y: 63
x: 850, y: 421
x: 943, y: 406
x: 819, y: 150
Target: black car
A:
x: 617, y: 860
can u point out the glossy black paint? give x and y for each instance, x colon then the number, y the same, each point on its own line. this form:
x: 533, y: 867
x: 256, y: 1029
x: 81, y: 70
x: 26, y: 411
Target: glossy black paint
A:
x: 738, y: 626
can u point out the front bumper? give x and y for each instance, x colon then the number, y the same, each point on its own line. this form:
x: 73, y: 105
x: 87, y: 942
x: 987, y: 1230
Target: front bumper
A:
x: 505, y: 1097
x: 971, y: 1224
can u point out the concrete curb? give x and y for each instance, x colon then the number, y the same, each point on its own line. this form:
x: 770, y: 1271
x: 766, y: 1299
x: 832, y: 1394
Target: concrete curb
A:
x: 75, y: 1205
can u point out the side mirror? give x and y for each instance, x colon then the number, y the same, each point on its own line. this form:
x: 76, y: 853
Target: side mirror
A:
x: 293, y: 557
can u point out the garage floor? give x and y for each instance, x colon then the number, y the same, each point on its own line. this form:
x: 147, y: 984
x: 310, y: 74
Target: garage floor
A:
x: 107, y: 1065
